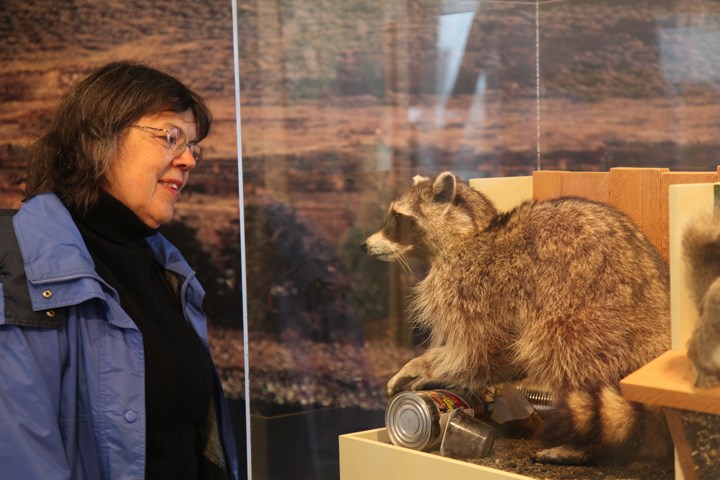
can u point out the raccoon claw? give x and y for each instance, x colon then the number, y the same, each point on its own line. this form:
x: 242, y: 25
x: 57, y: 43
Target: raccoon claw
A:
x: 398, y: 383
x: 562, y: 455
x: 415, y: 375
x: 424, y: 384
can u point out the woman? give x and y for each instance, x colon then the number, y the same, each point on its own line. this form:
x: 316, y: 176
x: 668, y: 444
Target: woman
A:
x: 105, y: 371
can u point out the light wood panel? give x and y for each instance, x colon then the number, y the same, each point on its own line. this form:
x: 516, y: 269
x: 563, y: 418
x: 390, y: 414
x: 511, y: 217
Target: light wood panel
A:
x: 668, y: 381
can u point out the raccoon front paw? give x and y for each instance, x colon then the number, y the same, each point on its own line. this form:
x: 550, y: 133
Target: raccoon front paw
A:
x: 420, y: 373
x: 705, y: 379
x: 407, y: 374
x: 705, y: 359
x: 563, y: 455
x: 402, y: 382
x: 398, y: 383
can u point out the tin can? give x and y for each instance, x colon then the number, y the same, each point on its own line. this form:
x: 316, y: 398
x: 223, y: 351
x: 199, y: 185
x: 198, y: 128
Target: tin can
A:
x: 417, y: 419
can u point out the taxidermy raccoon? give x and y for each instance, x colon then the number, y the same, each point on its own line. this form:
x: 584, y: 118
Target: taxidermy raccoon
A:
x: 565, y: 293
x: 701, y: 247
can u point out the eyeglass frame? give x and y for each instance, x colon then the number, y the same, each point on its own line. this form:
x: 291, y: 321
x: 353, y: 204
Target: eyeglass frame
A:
x: 179, y: 146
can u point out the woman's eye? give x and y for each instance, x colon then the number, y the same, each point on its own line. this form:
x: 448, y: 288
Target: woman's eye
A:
x: 173, y: 136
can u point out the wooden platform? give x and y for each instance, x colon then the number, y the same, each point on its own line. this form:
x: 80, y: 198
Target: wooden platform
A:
x: 668, y: 382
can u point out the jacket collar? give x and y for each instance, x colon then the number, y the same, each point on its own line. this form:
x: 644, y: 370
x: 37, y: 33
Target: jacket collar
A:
x: 58, y: 266
x: 56, y: 258
x: 52, y: 247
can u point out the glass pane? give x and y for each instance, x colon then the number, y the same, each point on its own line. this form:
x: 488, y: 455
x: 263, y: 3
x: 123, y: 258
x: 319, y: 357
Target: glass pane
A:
x: 629, y: 86
x: 342, y: 103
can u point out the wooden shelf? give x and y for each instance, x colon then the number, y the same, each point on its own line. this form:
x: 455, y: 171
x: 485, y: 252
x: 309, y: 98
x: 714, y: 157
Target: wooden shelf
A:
x: 668, y: 381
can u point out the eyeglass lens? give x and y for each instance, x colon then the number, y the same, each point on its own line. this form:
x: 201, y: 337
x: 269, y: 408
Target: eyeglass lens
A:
x: 196, y: 151
x: 177, y: 143
x: 173, y: 138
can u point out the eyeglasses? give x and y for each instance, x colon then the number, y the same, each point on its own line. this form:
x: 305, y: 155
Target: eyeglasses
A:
x: 177, y: 141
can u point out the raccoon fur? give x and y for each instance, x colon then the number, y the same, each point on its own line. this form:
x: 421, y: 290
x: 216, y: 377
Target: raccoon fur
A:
x: 565, y: 293
x: 701, y: 249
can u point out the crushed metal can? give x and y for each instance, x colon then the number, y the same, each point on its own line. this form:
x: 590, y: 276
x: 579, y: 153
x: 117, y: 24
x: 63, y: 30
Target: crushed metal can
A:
x: 417, y: 419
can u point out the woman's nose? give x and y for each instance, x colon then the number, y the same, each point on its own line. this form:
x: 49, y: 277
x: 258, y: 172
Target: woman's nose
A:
x: 185, y: 160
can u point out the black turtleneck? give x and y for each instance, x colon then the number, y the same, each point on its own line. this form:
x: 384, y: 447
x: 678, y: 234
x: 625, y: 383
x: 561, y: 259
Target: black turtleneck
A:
x: 178, y: 373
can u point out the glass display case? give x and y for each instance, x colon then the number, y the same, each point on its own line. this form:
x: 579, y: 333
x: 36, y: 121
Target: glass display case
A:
x: 342, y: 103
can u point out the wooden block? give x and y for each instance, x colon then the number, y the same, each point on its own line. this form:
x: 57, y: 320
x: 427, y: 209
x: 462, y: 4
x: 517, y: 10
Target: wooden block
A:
x: 668, y: 381
x: 676, y: 178
x: 637, y: 192
x: 505, y: 192
x: 552, y: 184
x: 591, y: 185
x: 680, y: 441
x: 547, y: 184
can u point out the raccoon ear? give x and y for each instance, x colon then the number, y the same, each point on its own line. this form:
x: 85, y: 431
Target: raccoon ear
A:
x: 444, y: 188
x: 419, y: 178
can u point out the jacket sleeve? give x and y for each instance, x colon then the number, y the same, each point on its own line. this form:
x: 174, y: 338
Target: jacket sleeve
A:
x: 32, y: 362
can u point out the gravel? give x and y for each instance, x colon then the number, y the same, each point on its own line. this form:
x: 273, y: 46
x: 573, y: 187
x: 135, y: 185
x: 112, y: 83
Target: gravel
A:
x: 511, y: 454
x: 703, y: 434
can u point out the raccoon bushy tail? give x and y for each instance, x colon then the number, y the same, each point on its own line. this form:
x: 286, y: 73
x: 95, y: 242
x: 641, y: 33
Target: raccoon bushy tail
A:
x: 593, y: 426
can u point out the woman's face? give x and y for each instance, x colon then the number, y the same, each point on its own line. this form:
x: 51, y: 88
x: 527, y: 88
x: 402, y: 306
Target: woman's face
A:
x: 146, y: 175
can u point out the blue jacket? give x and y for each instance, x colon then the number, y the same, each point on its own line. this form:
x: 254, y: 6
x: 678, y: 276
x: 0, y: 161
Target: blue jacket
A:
x: 72, y: 376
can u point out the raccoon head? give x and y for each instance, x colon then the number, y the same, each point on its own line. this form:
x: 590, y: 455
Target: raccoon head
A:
x: 399, y: 237
x: 428, y: 217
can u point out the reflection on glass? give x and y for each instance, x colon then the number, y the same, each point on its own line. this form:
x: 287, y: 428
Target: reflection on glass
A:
x: 631, y: 87
x: 343, y: 102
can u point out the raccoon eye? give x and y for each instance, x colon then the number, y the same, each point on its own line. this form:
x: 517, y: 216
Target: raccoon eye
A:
x: 392, y: 217
x: 398, y: 219
x: 404, y: 223
x: 391, y: 221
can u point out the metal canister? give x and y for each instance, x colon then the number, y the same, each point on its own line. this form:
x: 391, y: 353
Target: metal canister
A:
x: 417, y: 419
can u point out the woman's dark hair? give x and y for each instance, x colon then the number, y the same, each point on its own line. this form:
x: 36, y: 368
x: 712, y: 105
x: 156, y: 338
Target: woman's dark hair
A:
x: 75, y: 150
